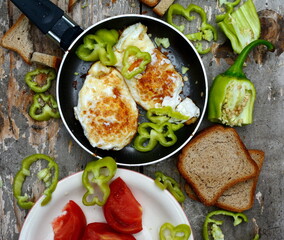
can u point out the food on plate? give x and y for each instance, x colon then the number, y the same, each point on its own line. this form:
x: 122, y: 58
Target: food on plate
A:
x: 122, y: 211
x: 216, y: 231
x: 239, y: 197
x: 71, y: 224
x: 106, y: 110
x: 232, y: 95
x: 17, y: 39
x: 242, y: 26
x: 96, y: 177
x: 161, y: 8
x: 48, y: 175
x: 165, y: 182
x: 46, y: 60
x: 215, y: 160
x: 168, y: 231
x: 102, y: 231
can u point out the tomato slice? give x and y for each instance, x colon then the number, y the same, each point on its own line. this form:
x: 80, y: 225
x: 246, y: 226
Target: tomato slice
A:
x: 71, y: 224
x: 102, y: 231
x: 122, y: 211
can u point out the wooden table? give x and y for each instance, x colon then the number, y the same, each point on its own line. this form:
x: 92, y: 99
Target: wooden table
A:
x: 20, y: 136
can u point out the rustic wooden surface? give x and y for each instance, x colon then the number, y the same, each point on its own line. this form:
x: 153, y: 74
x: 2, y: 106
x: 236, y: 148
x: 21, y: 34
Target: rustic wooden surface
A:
x: 20, y: 136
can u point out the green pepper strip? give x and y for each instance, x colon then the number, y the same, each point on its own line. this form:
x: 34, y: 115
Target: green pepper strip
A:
x: 94, y: 175
x: 166, y: 182
x: 170, y: 232
x: 132, y: 55
x: 238, y: 218
x: 44, y: 175
x: 43, y: 107
x: 98, y: 46
x: 207, y: 31
x: 232, y: 95
x: 33, y: 84
x: 229, y: 9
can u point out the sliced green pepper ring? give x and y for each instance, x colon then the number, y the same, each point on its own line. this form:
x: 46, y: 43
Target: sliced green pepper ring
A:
x: 48, y: 74
x: 98, y: 174
x: 48, y: 175
x: 170, y: 232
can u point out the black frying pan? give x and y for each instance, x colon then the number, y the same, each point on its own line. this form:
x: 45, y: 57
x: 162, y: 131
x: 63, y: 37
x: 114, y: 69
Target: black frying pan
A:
x: 181, y: 52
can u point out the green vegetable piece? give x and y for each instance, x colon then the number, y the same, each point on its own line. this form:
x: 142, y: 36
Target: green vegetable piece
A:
x: 98, y: 46
x: 216, y: 232
x: 98, y: 174
x: 162, y: 41
x: 229, y: 9
x: 207, y: 31
x: 170, y: 232
x: 43, y: 107
x: 232, y: 95
x: 166, y: 182
x: 238, y: 218
x: 30, y: 79
x: 52, y: 171
x: 134, y: 62
x: 241, y: 26
x: 256, y: 237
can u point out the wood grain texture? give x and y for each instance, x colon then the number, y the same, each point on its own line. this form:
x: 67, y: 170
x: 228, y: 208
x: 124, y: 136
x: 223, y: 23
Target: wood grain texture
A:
x: 20, y: 136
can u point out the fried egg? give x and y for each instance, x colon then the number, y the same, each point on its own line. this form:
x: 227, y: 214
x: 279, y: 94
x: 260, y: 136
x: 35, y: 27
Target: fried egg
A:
x: 106, y: 109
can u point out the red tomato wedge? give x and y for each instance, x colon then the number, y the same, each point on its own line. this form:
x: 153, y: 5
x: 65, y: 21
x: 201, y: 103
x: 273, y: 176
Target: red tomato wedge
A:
x: 122, y: 211
x: 102, y: 231
x: 71, y: 224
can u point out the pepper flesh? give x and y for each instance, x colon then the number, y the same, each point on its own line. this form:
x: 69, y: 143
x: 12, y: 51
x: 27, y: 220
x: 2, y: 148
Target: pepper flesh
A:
x: 229, y: 9
x: 232, y: 95
x: 45, y: 175
x: 43, y: 107
x: 170, y: 232
x: 238, y: 218
x: 98, y: 177
x: 30, y: 79
x: 166, y: 182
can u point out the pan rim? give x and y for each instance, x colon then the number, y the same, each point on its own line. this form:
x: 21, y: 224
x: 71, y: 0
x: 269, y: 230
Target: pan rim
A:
x: 155, y: 20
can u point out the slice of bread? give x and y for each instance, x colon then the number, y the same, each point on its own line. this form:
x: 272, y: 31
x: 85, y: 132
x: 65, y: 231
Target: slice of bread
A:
x: 46, y: 60
x: 71, y: 3
x: 239, y: 197
x: 17, y: 38
x: 215, y: 160
x: 161, y: 8
x: 150, y: 3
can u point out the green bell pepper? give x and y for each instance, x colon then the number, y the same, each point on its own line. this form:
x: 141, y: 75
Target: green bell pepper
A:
x: 98, y: 46
x: 98, y: 173
x: 48, y: 175
x: 232, y: 95
x: 170, y: 232
x: 30, y: 79
x: 238, y: 218
x: 229, y: 9
x: 206, y: 32
x: 134, y: 62
x: 166, y: 182
x: 43, y: 107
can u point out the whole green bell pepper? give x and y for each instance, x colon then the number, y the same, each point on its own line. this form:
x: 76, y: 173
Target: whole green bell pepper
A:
x: 232, y: 95
x: 30, y: 79
x: 93, y: 176
x: 170, y: 232
x: 43, y: 107
x: 48, y: 175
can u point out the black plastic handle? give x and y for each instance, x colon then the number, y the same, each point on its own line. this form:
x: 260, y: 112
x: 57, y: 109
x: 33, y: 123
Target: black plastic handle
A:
x: 50, y: 19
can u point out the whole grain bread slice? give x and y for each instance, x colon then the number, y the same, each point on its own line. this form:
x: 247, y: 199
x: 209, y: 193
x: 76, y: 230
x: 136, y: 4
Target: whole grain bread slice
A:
x: 239, y: 197
x: 215, y: 160
x: 150, y: 3
x: 161, y: 8
x: 17, y: 38
x: 46, y: 60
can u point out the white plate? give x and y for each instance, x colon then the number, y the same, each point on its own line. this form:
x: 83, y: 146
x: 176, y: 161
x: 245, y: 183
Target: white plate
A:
x: 158, y: 207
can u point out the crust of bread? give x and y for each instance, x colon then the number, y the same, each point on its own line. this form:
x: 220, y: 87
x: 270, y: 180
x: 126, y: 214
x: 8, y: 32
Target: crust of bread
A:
x: 46, y: 60
x: 17, y: 39
x: 71, y: 3
x: 207, y: 184
x: 150, y: 3
x: 161, y: 8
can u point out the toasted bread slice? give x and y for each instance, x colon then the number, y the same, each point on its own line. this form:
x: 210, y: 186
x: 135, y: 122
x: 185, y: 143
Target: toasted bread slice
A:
x: 150, y: 3
x: 17, y: 38
x: 71, y: 3
x: 161, y: 8
x: 215, y: 160
x: 46, y: 60
x: 239, y: 197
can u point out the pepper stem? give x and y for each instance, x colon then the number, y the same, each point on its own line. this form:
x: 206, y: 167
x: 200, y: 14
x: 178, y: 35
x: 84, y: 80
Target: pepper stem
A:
x: 237, y: 68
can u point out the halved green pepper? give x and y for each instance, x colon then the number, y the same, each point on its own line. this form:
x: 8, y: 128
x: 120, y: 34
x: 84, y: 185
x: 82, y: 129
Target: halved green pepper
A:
x: 170, y: 232
x: 48, y: 175
x: 34, y: 85
x: 134, y: 61
x: 229, y: 9
x: 232, y: 95
x: 94, y: 175
x: 43, y: 107
x: 166, y: 182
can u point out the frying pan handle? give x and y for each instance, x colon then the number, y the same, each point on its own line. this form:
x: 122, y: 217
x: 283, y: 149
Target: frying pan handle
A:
x: 50, y: 20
